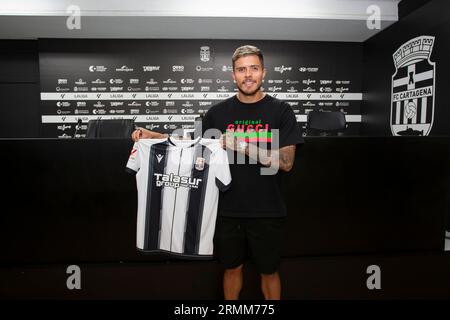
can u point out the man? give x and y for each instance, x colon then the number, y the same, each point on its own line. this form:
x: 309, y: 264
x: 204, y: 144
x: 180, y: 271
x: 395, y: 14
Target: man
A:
x: 251, y: 213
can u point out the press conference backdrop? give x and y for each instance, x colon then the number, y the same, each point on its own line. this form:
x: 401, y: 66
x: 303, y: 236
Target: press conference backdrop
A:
x: 165, y: 84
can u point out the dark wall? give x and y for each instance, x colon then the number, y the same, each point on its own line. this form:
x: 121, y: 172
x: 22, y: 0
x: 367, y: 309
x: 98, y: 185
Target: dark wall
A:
x: 405, y: 7
x: 19, y: 89
x: 430, y: 19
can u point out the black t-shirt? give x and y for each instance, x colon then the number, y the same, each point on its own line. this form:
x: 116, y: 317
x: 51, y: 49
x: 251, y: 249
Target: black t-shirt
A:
x: 252, y: 194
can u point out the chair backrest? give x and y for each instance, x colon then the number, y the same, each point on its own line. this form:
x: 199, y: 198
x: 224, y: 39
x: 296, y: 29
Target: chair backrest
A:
x: 116, y: 128
x: 325, y: 123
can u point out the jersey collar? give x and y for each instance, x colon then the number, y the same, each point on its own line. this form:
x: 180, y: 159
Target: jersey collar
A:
x: 183, y: 143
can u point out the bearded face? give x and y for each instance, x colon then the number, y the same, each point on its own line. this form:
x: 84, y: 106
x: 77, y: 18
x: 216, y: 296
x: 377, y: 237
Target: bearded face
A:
x: 248, y: 74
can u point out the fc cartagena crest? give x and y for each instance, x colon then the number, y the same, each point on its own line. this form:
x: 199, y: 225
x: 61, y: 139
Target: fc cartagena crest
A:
x: 412, y: 103
x: 200, y: 163
x: 204, y: 53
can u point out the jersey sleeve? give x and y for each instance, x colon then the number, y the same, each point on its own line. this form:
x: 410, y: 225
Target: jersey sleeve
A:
x: 221, y: 169
x: 133, y: 164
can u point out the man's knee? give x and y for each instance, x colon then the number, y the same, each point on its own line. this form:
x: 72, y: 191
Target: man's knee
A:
x: 270, y: 276
x: 234, y: 271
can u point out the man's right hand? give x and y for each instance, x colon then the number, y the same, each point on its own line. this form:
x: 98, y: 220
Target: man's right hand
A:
x: 141, y: 133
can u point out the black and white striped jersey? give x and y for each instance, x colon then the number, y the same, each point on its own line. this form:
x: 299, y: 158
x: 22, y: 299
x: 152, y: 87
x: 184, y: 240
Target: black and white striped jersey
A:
x: 178, y: 183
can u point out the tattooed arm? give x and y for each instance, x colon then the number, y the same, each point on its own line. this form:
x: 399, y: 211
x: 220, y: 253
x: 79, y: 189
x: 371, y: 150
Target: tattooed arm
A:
x: 282, y: 158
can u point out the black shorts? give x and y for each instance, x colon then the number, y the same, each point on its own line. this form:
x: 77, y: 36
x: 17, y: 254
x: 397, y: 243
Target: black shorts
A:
x: 258, y: 239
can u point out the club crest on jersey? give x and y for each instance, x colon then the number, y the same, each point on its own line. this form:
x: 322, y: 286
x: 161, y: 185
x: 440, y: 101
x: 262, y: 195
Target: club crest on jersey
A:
x: 412, y: 99
x: 200, y: 163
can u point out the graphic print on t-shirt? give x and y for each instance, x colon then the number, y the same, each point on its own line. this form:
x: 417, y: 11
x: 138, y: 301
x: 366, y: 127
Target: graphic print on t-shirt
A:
x: 251, y: 130
x: 253, y: 194
x: 178, y: 188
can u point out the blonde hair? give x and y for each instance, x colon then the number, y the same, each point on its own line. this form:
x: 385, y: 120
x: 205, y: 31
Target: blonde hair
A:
x: 247, y: 50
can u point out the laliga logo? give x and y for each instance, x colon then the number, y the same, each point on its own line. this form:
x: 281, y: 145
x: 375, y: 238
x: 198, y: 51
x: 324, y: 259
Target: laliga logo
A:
x: 412, y: 99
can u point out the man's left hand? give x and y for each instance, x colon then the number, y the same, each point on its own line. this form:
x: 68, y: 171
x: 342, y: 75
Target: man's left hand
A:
x: 230, y: 141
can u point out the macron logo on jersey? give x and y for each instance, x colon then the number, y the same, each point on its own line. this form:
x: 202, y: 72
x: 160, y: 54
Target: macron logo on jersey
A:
x: 174, y: 181
x: 159, y: 157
